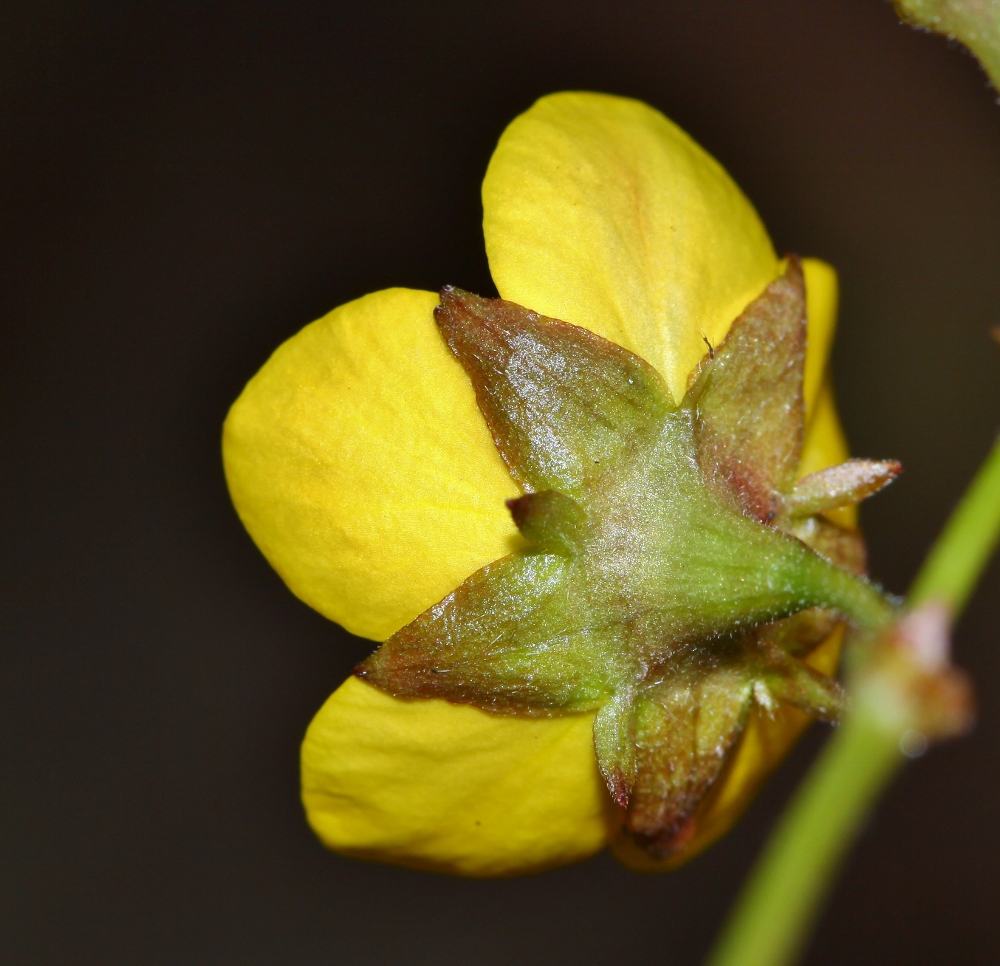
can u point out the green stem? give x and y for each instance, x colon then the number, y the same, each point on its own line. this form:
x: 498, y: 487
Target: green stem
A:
x: 783, y: 894
x: 956, y: 560
x: 862, y: 603
x: 782, y: 898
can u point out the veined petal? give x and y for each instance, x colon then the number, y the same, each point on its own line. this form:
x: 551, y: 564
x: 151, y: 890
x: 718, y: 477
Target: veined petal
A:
x: 359, y: 463
x: 601, y: 212
x: 448, y: 787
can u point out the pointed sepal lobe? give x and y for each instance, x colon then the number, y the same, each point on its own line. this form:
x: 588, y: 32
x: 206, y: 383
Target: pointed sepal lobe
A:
x: 749, y: 401
x: 839, y: 486
x: 560, y: 402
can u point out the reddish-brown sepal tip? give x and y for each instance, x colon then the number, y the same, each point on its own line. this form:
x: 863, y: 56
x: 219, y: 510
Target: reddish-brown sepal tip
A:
x: 619, y: 788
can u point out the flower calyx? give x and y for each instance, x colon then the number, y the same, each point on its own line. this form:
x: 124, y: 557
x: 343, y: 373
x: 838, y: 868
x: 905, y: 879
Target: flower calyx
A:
x: 674, y: 571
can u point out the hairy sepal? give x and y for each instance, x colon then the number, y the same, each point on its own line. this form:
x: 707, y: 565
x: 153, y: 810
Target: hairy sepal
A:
x: 685, y: 726
x: 560, y: 402
x: 550, y: 521
x: 749, y: 403
x: 518, y: 636
x: 840, y: 486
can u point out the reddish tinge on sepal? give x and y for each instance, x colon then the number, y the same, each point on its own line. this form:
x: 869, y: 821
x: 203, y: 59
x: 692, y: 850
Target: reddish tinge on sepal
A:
x: 560, y: 401
x: 685, y: 727
x: 748, y: 399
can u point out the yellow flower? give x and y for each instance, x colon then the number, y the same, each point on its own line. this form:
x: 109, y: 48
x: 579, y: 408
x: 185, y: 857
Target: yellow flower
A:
x: 362, y: 468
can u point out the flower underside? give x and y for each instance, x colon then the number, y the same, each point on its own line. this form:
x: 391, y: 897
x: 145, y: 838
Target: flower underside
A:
x: 674, y: 571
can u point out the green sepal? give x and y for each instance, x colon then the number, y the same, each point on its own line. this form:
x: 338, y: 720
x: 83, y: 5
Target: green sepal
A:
x: 840, y: 486
x: 684, y: 729
x: 517, y: 637
x: 749, y: 402
x: 685, y: 722
x: 783, y: 678
x: 560, y: 402
x: 615, y: 744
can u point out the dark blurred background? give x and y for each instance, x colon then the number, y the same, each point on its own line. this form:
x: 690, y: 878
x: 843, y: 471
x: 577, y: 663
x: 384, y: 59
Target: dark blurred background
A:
x: 184, y: 185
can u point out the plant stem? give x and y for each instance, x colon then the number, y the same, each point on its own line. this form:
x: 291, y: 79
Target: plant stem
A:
x: 781, y: 899
x: 861, y: 603
x: 959, y: 555
x: 783, y: 894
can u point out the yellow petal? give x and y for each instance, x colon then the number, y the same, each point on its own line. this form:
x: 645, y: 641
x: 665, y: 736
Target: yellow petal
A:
x: 821, y: 311
x: 451, y: 788
x: 341, y: 458
x: 359, y: 463
x: 600, y: 211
